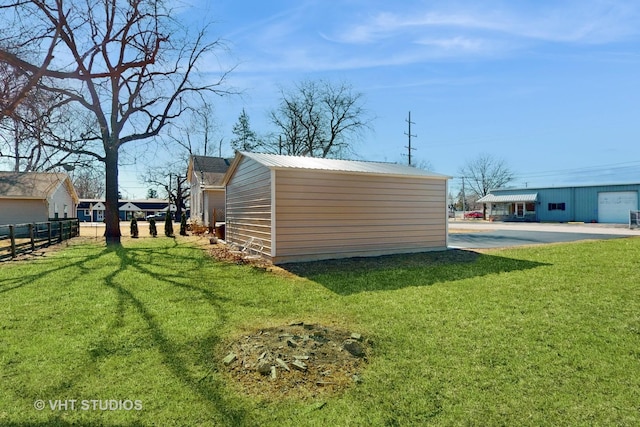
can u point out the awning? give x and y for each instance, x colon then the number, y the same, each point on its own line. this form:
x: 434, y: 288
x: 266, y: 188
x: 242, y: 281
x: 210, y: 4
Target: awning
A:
x: 509, y: 198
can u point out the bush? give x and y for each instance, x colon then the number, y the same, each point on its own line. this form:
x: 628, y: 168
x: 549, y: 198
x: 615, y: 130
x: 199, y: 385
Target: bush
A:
x: 134, y: 228
x: 183, y: 224
x: 152, y: 227
x: 168, y: 225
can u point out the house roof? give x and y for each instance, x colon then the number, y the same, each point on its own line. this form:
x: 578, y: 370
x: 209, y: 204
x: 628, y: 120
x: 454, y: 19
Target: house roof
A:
x: 129, y: 207
x: 276, y: 161
x: 509, y: 198
x: 209, y: 170
x: 34, y: 185
x: 140, y: 204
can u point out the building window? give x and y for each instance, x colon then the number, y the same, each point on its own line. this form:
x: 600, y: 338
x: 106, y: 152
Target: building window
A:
x: 557, y: 206
x: 87, y: 212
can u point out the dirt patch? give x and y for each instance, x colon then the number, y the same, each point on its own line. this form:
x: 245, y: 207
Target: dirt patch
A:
x: 298, y: 360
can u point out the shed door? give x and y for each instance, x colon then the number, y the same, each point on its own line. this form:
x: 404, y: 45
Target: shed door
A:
x: 614, y: 207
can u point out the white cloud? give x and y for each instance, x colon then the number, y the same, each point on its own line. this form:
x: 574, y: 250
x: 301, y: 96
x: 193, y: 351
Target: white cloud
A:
x: 311, y: 38
x: 571, y: 22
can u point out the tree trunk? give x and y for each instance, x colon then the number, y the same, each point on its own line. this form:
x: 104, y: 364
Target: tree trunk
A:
x: 179, y: 201
x: 111, y: 215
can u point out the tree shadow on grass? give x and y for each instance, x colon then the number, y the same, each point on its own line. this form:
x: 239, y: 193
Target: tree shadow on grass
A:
x: 191, y: 363
x: 173, y: 355
x: 391, y: 272
x: 76, y: 261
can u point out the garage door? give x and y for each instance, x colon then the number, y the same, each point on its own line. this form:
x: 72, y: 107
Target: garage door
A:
x: 614, y: 207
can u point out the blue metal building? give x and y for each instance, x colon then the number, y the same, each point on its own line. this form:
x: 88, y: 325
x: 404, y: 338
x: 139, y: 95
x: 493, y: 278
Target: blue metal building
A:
x: 594, y: 203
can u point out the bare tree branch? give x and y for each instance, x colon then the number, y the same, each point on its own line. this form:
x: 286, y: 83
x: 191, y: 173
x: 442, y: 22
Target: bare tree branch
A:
x: 485, y: 173
x: 121, y: 63
x: 319, y: 119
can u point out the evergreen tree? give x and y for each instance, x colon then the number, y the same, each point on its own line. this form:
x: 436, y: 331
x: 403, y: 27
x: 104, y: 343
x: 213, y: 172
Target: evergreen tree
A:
x: 134, y: 228
x: 244, y: 139
x: 152, y: 228
x: 168, y: 225
x: 183, y: 224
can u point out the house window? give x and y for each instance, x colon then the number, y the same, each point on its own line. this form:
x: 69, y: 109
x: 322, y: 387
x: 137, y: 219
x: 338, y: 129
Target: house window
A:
x: 87, y: 212
x: 557, y: 206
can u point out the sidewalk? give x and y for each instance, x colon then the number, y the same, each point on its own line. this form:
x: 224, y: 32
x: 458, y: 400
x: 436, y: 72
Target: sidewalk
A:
x: 481, y: 225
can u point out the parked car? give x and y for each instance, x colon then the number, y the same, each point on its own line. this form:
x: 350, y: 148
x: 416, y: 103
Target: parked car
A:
x: 158, y: 216
x: 473, y: 215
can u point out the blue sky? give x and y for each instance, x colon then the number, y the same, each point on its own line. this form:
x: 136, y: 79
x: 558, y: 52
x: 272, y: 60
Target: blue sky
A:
x: 550, y: 87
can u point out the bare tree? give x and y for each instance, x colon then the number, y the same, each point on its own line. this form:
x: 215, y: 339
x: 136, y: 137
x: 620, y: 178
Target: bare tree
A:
x: 89, y: 183
x: 27, y: 136
x: 122, y: 65
x: 18, y: 78
x: 193, y: 137
x: 171, y: 179
x: 318, y: 119
x: 485, y: 173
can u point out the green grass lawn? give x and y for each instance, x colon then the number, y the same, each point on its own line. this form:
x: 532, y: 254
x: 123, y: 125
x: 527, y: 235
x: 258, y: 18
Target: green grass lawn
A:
x: 533, y: 336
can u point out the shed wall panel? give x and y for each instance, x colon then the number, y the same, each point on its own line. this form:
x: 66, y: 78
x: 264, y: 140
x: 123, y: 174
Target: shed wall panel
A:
x: 248, y: 204
x: 322, y: 215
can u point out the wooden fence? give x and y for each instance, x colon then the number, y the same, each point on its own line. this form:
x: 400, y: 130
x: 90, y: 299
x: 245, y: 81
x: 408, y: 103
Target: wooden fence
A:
x: 22, y: 238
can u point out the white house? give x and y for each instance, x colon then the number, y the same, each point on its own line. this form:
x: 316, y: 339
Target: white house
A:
x: 205, y: 175
x: 36, y: 197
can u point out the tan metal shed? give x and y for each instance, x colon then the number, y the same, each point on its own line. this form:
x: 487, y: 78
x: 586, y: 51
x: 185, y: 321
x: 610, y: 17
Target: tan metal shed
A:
x: 304, y: 208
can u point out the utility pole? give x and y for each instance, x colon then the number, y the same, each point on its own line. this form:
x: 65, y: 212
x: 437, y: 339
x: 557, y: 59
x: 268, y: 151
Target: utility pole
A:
x: 464, y: 196
x: 409, y: 134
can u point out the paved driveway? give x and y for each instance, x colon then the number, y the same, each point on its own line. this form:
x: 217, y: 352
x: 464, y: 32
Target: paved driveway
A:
x: 481, y: 235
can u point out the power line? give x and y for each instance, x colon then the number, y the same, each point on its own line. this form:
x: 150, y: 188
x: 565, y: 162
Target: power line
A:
x: 589, y: 169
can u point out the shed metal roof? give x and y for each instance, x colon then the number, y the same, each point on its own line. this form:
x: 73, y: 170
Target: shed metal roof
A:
x: 509, y: 198
x: 276, y: 161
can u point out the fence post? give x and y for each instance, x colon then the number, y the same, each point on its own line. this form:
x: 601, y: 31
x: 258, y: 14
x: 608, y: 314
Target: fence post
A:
x: 12, y: 236
x: 61, y: 226
x: 32, y: 238
x: 49, y: 232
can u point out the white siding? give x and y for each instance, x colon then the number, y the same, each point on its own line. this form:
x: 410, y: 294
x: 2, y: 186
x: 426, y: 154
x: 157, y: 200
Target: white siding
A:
x: 213, y: 199
x: 248, y: 204
x: 322, y: 215
x: 22, y: 211
x: 62, y: 201
x: 196, y: 199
